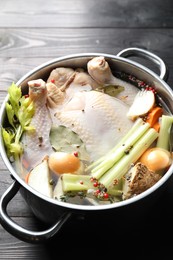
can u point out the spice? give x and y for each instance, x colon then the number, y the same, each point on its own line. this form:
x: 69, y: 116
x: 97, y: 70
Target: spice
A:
x: 51, y: 181
x: 151, y: 88
x: 106, y: 195
x: 101, y: 192
x: 40, y: 139
x: 76, y: 154
x: 95, y: 184
x: 36, y: 84
x: 127, y: 151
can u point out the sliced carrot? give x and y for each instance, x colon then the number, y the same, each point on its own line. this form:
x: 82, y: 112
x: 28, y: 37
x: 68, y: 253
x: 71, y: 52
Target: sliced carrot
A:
x: 27, y: 177
x: 25, y: 163
x: 156, y: 126
x: 154, y: 115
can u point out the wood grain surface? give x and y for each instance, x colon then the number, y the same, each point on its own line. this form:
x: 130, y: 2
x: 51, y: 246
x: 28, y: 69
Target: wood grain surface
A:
x: 33, y: 32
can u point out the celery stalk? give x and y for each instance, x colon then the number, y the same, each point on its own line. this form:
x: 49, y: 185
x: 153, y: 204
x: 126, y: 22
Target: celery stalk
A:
x: 135, y: 126
x: 164, y: 133
x: 20, y: 111
x: 116, y: 155
x: 122, y: 166
x: 74, y: 182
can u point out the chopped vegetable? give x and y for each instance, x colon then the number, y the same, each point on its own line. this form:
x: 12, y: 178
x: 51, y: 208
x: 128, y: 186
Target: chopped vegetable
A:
x: 154, y: 115
x: 88, y: 186
x: 73, y: 182
x: 122, y: 166
x: 19, y: 112
x: 123, y: 149
x: 61, y: 162
x: 164, y: 133
x: 138, y: 179
x: 156, y: 159
x: 39, y: 178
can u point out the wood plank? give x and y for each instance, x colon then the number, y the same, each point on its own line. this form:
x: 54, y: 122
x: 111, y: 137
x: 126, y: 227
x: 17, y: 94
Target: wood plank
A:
x: 31, y: 48
x: 82, y: 13
x: 53, y: 42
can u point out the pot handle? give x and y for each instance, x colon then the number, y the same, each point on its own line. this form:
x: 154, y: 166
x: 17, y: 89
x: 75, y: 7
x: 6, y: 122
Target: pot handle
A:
x: 138, y: 52
x: 20, y: 232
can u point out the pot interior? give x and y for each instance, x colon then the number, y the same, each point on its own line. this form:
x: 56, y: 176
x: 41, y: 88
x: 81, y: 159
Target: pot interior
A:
x: 80, y: 61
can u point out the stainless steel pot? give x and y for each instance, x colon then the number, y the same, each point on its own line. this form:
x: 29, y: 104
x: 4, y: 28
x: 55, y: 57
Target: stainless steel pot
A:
x: 56, y: 213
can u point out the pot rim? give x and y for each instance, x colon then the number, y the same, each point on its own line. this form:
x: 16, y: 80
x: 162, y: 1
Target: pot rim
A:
x: 66, y: 204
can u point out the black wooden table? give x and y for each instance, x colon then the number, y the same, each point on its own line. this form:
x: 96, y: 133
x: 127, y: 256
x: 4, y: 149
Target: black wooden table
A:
x: 35, y: 31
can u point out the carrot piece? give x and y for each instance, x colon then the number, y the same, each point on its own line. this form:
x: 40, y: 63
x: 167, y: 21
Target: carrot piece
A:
x: 25, y: 163
x: 153, y: 115
x: 156, y: 126
x: 27, y: 177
